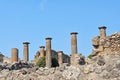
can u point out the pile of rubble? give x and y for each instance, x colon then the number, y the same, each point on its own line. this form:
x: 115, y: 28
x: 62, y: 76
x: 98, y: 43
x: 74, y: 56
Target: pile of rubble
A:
x: 110, y: 45
x: 113, y: 42
x: 97, y: 68
x: 15, y: 66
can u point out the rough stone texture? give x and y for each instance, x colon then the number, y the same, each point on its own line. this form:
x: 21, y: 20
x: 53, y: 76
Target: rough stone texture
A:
x: 42, y: 51
x: 110, y: 70
x: 109, y: 45
x: 14, y: 53
x: 26, y: 51
x: 73, y: 48
x: 48, y: 53
x: 60, y: 58
x: 99, y: 67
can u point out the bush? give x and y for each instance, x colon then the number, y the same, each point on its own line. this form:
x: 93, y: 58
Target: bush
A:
x: 41, y: 62
x: 90, y: 56
x: 54, y: 62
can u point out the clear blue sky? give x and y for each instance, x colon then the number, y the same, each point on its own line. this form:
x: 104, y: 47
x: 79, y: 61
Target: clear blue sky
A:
x: 34, y: 20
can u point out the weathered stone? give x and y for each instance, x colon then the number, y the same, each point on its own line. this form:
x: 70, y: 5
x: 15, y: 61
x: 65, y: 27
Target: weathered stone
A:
x: 42, y: 51
x: 48, y: 53
x: 14, y: 57
x: 101, y: 61
x: 26, y: 51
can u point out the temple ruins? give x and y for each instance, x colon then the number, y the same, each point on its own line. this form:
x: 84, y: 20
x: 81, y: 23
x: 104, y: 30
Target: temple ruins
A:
x: 104, y: 45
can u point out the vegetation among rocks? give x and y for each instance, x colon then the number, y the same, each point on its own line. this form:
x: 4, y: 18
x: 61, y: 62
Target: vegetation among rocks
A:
x: 97, y: 67
x: 90, y: 56
x: 41, y: 62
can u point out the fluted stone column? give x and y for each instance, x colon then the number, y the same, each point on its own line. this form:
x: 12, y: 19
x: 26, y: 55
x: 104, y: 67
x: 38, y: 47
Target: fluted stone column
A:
x: 14, y: 56
x: 26, y: 51
x: 60, y: 57
x: 102, y: 32
x: 74, y: 42
x: 42, y: 51
x: 48, y: 53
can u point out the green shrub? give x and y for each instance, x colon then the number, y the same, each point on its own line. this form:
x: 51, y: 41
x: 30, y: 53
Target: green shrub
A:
x: 54, y: 62
x: 41, y: 62
x: 90, y: 56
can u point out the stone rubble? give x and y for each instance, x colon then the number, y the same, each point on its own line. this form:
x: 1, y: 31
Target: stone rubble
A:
x: 103, y: 64
x: 111, y: 44
x: 93, y: 70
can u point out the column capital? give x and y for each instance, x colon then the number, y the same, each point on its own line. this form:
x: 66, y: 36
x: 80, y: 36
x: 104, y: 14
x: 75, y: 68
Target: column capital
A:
x: 73, y: 33
x: 26, y: 43
x: 102, y: 27
x: 15, y: 48
x: 42, y: 46
x: 48, y: 38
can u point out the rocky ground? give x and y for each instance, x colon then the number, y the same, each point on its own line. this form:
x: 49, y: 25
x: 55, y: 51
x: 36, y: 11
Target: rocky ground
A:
x: 97, y: 68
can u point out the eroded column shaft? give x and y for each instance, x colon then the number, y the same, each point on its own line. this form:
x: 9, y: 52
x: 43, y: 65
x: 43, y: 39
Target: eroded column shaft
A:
x: 14, y: 56
x: 26, y: 51
x: 48, y: 52
x: 102, y: 32
x: 74, y: 42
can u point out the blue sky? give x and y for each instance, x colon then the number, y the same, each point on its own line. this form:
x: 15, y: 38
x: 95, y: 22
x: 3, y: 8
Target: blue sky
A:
x: 34, y: 20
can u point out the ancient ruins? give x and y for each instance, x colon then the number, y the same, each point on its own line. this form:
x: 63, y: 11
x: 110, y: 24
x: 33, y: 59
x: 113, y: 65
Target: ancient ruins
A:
x: 102, y: 64
x: 103, y: 45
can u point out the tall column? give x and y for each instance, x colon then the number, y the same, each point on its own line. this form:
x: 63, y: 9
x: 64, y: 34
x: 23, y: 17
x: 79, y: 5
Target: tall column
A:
x: 102, y: 32
x: 60, y: 57
x: 14, y: 55
x: 48, y: 52
x: 42, y: 51
x: 26, y: 51
x: 74, y: 42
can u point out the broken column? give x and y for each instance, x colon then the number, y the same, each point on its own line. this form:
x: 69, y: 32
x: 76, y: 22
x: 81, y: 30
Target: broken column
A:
x: 26, y: 51
x: 48, y: 52
x: 42, y: 51
x: 60, y: 57
x: 14, y: 56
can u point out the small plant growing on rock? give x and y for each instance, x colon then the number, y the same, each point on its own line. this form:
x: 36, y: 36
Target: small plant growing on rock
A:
x: 90, y: 56
x: 41, y: 62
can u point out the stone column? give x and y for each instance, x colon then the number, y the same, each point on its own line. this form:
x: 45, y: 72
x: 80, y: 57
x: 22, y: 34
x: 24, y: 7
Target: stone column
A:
x: 48, y: 52
x: 60, y: 57
x: 102, y: 32
x: 73, y: 48
x: 74, y: 42
x: 26, y: 51
x: 42, y: 51
x: 14, y: 56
